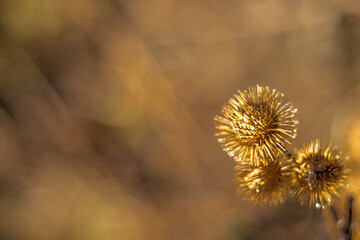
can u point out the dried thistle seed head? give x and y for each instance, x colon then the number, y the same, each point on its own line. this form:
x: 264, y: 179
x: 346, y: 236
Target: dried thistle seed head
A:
x: 256, y: 123
x: 319, y: 174
x: 266, y: 184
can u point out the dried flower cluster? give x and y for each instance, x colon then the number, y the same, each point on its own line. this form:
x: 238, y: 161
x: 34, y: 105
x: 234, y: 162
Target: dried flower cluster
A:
x: 318, y: 173
x: 256, y: 124
x: 264, y: 184
x: 254, y: 128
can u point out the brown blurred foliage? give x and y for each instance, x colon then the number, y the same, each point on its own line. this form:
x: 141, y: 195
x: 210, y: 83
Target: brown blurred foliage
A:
x: 107, y: 112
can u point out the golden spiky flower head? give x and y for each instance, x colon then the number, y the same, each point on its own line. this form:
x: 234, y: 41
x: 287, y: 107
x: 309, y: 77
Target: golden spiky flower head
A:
x: 256, y: 124
x: 266, y: 184
x: 319, y: 174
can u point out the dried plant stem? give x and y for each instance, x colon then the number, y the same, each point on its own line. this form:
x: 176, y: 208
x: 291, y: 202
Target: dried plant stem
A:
x: 345, y: 231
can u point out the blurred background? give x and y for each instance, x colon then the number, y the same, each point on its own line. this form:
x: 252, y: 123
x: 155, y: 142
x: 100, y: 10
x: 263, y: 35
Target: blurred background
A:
x: 107, y: 106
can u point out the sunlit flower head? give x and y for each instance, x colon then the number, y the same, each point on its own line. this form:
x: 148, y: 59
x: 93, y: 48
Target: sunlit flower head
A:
x: 266, y: 184
x: 256, y: 124
x: 319, y: 174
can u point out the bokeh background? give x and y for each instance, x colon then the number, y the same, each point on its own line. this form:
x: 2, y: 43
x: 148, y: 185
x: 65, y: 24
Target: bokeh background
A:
x: 107, y: 106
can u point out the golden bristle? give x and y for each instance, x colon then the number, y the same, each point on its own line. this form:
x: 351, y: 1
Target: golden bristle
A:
x: 266, y: 184
x: 256, y: 124
x: 319, y: 174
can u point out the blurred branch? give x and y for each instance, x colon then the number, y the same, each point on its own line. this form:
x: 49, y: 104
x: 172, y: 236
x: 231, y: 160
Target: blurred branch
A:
x: 345, y: 230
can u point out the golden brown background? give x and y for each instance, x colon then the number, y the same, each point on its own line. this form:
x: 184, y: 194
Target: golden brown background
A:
x: 106, y: 120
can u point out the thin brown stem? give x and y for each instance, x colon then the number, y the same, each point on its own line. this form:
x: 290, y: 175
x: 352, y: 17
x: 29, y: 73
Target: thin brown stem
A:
x: 345, y: 231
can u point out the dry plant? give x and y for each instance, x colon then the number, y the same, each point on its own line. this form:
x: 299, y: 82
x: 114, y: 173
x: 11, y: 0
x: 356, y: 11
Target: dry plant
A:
x: 254, y: 128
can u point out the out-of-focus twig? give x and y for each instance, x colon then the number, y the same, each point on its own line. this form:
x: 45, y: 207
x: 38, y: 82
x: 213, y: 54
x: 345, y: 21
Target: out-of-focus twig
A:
x: 345, y: 230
